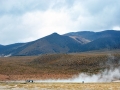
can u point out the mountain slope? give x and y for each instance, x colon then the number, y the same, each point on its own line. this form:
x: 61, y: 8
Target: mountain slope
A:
x: 108, y: 39
x: 53, y: 43
x: 95, y: 35
x: 9, y: 49
x: 83, y: 34
x: 103, y: 43
x: 80, y: 39
x: 1, y: 46
x: 68, y: 43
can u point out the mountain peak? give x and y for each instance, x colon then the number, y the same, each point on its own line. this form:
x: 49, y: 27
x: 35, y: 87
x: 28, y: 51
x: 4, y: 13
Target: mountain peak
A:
x: 54, y: 33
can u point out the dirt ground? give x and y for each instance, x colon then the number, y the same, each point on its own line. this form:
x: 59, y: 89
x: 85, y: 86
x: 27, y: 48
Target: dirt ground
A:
x: 34, y: 77
x: 59, y: 86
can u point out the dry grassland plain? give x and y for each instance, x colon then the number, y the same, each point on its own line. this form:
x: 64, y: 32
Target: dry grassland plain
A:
x: 60, y: 86
x: 56, y: 66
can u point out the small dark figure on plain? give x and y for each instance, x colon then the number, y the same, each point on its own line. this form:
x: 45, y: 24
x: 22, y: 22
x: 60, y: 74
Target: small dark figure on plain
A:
x: 29, y: 81
x: 82, y: 81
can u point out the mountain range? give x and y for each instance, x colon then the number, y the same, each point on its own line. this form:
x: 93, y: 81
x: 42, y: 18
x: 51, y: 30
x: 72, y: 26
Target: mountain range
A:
x: 68, y: 43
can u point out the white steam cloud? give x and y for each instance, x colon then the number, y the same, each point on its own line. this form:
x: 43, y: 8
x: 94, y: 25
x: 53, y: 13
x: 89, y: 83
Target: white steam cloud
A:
x: 108, y: 75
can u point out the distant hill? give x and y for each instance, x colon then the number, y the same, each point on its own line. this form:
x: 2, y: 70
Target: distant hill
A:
x: 1, y: 46
x: 53, y: 43
x: 80, y: 39
x: 103, y: 43
x: 108, y: 39
x: 84, y: 34
x: 67, y: 43
x: 95, y: 35
x: 10, y: 49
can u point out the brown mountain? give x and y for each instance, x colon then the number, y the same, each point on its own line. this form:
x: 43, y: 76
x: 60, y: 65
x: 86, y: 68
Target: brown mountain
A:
x: 68, y: 43
x: 53, y: 43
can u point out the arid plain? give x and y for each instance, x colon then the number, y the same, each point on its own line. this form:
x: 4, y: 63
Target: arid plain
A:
x: 60, y: 86
x: 62, y: 67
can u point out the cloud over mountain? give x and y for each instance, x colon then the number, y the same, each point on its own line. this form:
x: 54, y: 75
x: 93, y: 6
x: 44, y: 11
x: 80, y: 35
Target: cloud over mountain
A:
x: 22, y: 21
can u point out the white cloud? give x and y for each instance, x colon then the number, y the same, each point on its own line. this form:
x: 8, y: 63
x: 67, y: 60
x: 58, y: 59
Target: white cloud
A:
x: 44, y: 23
x: 22, y: 21
x: 116, y: 28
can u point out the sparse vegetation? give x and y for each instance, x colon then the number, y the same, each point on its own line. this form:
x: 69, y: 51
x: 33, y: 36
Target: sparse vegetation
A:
x: 55, y: 65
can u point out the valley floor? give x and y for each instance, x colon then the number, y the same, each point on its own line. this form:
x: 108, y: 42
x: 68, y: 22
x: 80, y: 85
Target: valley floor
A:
x: 59, y: 86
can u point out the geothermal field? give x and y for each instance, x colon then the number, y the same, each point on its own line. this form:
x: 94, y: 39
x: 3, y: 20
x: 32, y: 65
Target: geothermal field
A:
x: 76, y: 71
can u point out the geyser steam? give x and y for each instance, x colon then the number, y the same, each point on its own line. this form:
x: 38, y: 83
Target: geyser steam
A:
x: 108, y: 75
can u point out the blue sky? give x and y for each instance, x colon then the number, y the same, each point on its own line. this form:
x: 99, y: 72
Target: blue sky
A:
x: 27, y: 20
